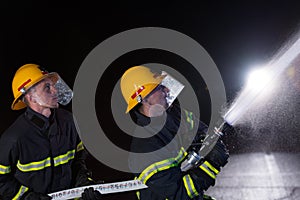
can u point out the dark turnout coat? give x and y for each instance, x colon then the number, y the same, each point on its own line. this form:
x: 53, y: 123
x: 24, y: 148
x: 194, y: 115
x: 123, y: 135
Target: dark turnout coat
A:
x: 39, y: 154
x: 160, y: 153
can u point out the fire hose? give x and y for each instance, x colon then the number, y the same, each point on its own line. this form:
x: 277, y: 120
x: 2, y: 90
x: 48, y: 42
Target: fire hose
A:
x: 115, y: 187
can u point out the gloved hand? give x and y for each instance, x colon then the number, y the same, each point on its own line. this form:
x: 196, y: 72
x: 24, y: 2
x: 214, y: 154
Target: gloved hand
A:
x: 83, y: 178
x: 91, y: 194
x: 35, y: 196
x: 218, y: 156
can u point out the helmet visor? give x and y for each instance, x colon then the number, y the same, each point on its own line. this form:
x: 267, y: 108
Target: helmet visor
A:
x: 64, y: 92
x: 174, y: 87
x: 170, y: 86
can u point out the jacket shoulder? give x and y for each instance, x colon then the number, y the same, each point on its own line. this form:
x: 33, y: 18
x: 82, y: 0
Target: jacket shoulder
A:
x: 64, y: 114
x: 16, y: 130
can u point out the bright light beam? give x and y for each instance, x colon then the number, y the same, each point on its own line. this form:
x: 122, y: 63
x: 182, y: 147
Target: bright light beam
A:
x: 258, y: 83
x: 262, y: 80
x: 258, y: 79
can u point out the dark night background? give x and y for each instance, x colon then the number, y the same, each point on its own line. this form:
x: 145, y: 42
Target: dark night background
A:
x: 235, y: 34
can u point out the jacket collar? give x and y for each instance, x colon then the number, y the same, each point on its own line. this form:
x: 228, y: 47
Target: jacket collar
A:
x: 39, y: 120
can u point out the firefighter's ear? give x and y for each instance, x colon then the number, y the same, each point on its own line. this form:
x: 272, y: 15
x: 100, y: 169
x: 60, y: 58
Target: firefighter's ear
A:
x: 29, y: 98
x: 32, y: 98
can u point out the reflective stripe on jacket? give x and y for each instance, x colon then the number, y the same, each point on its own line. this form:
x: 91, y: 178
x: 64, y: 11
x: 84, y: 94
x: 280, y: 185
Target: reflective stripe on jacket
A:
x: 161, y: 171
x: 36, y: 153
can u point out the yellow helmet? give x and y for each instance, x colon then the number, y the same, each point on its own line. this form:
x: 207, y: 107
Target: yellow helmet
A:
x: 25, y: 77
x: 136, y: 83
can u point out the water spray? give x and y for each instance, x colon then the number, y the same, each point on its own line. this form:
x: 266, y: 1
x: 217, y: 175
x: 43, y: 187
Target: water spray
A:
x: 258, y: 85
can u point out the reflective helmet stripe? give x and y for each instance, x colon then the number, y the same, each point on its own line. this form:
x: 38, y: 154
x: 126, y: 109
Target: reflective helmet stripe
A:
x: 137, y: 92
x: 23, y: 85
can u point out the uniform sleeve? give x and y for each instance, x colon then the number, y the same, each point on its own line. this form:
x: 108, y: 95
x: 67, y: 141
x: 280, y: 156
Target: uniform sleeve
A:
x: 81, y: 174
x: 80, y: 157
x: 165, y: 180
x: 170, y: 184
x: 10, y: 188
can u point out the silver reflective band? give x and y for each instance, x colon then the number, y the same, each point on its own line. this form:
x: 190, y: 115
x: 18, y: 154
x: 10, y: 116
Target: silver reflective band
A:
x: 59, y: 160
x: 160, y: 166
x: 34, y: 166
x: 39, y: 165
x: 209, y: 169
x: 4, y: 169
x: 189, y: 186
x: 21, y: 191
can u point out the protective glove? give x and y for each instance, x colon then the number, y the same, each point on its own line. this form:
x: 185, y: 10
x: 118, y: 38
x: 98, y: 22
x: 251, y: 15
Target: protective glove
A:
x: 218, y: 156
x: 35, y: 196
x: 91, y: 194
x: 83, y: 178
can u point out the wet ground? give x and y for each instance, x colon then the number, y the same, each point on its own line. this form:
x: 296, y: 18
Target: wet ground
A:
x: 259, y: 176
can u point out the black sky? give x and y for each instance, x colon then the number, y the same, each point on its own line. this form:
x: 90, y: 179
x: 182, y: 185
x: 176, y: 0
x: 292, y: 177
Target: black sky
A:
x: 236, y: 34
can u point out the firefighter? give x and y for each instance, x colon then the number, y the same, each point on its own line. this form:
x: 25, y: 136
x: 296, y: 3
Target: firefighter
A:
x: 157, y: 146
x: 41, y: 152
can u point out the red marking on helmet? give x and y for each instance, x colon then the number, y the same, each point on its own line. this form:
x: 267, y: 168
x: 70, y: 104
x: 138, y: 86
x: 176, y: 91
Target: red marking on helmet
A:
x: 138, y: 92
x: 24, y: 84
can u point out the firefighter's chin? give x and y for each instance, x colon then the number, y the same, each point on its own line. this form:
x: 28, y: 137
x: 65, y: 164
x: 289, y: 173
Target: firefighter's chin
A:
x: 53, y: 105
x: 156, y: 110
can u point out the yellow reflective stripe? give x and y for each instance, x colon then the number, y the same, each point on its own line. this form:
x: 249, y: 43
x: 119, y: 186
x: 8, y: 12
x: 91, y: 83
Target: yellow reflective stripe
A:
x: 4, y: 169
x: 189, y: 118
x: 21, y: 191
x: 39, y: 165
x: 154, y: 168
x: 79, y: 146
x: 208, y: 172
x: 209, y: 169
x: 34, y: 166
x: 138, y: 195
x: 160, y: 166
x: 62, y: 159
x: 189, y: 186
x: 181, y: 155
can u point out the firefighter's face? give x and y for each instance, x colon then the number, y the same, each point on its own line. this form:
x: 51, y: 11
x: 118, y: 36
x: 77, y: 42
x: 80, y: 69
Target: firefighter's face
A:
x: 157, y: 100
x: 45, y: 94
